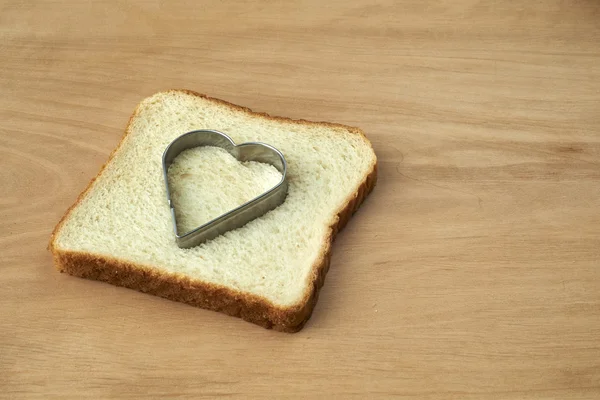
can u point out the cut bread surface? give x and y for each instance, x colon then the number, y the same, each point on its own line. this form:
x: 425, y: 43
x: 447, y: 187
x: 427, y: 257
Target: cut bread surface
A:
x: 269, y: 271
x: 206, y: 182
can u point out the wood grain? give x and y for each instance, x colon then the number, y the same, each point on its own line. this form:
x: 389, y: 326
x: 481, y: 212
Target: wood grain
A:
x: 472, y: 271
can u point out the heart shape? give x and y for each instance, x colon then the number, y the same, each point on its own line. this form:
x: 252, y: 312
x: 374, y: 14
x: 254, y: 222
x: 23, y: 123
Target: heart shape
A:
x: 239, y: 216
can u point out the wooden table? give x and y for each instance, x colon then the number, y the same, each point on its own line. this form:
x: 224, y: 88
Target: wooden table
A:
x: 472, y: 271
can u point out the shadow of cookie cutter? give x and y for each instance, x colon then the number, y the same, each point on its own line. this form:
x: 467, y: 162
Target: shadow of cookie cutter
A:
x: 239, y: 216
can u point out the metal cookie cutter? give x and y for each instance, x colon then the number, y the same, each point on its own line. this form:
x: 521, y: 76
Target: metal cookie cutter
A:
x: 238, y: 217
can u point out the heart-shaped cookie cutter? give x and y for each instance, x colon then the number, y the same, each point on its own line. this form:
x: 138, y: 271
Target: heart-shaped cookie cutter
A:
x: 239, y: 216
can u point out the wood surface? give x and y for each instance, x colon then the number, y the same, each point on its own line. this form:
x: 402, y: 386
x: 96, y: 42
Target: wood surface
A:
x: 471, y: 272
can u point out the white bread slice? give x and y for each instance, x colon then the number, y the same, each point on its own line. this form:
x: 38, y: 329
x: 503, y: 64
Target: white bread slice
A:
x: 268, y: 272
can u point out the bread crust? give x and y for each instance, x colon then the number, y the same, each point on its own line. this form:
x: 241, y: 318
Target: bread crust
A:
x: 177, y: 287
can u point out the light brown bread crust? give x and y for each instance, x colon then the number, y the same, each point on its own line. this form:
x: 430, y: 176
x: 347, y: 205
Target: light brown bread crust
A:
x: 206, y: 295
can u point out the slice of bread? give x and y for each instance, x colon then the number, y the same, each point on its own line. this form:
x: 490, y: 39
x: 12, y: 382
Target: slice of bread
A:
x: 268, y: 272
